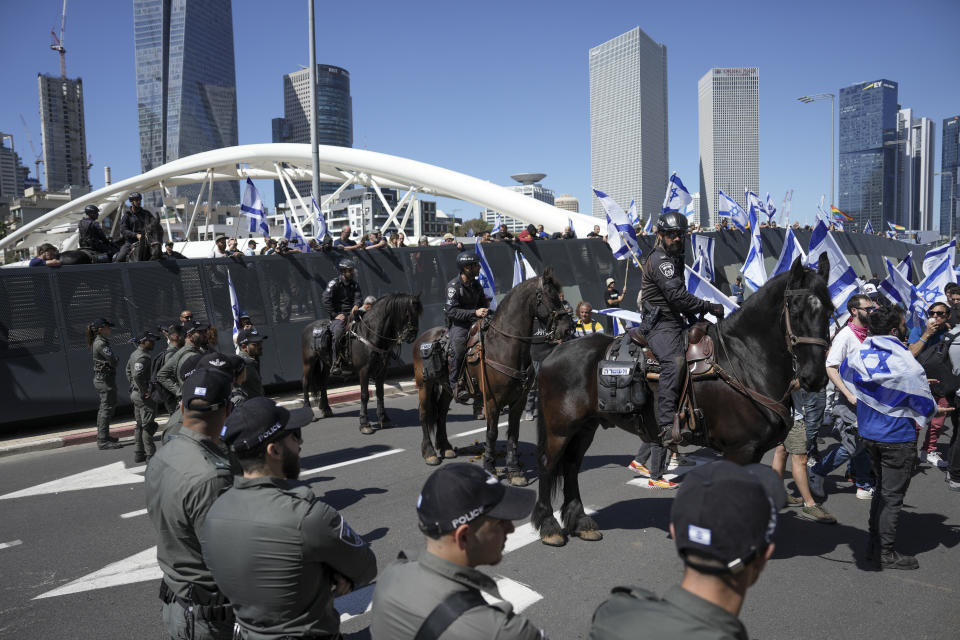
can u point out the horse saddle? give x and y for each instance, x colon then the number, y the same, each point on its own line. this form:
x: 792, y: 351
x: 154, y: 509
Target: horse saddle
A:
x: 474, y: 346
x: 699, y: 355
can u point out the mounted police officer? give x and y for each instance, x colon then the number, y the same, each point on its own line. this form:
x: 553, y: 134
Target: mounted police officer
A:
x: 665, y: 303
x: 465, y: 303
x: 104, y: 379
x: 137, y: 224
x: 341, y: 298
x: 92, y: 237
x: 144, y: 411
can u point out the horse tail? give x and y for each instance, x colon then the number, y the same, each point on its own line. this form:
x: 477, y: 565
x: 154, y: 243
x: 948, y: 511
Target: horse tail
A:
x: 550, y: 479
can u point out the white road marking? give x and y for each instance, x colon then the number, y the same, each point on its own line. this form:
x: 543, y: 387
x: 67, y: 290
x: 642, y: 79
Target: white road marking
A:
x: 12, y: 543
x: 480, y: 430
x: 676, y: 473
x: 139, y: 567
x: 527, y: 533
x: 516, y: 593
x: 106, y: 476
x: 134, y: 514
x: 337, y: 465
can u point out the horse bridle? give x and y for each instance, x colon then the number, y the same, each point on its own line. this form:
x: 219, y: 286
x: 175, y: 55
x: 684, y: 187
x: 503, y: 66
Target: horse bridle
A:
x: 792, y: 338
x: 394, y: 343
x: 552, y: 321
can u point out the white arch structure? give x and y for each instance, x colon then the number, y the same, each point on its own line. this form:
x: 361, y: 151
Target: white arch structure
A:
x: 289, y: 162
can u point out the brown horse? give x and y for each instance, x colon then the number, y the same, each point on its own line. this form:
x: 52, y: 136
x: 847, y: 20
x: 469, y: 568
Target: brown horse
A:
x: 501, y: 375
x: 778, y: 339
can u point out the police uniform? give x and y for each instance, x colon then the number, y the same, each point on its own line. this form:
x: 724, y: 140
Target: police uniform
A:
x: 91, y: 236
x: 132, y: 223
x: 144, y: 411
x: 170, y: 376
x: 340, y: 296
x: 252, y: 384
x: 631, y: 612
x: 181, y: 483
x: 463, y: 300
x: 105, y: 382
x: 540, y: 348
x: 273, y: 545
x: 171, y: 401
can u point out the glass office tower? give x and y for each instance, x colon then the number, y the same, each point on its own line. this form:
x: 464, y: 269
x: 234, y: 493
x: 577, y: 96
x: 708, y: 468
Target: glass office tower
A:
x: 868, y: 141
x: 950, y: 185
x: 186, y: 85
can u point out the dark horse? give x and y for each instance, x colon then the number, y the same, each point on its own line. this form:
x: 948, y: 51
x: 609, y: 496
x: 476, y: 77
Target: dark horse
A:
x: 501, y: 374
x: 777, y: 339
x: 393, y: 319
x: 139, y: 252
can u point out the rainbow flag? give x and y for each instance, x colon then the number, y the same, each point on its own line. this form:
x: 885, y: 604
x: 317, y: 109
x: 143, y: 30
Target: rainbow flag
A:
x: 896, y: 227
x: 837, y: 212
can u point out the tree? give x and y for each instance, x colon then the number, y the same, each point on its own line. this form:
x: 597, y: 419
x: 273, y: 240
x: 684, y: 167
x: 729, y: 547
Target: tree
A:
x: 477, y: 224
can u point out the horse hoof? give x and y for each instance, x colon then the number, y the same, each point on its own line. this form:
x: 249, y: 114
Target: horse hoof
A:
x: 590, y: 535
x: 432, y: 460
x: 519, y: 480
x: 386, y: 423
x: 449, y: 453
x: 327, y: 412
x: 366, y: 429
x: 554, y: 540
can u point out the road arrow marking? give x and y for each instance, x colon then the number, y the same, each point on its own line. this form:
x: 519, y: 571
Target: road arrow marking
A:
x: 134, y: 514
x: 12, y: 543
x: 106, y: 476
x: 139, y: 567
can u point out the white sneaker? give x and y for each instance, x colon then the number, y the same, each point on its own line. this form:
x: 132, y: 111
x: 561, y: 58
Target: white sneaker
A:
x: 933, y: 458
x: 865, y: 494
x: 816, y: 485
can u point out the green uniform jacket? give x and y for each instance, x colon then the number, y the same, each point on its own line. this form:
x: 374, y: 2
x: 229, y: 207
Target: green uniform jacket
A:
x: 632, y: 612
x: 138, y: 372
x: 104, y: 360
x: 272, y: 545
x: 408, y: 591
x: 169, y: 375
x: 181, y: 483
x: 252, y: 385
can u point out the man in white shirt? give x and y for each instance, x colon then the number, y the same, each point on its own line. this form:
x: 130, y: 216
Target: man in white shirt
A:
x: 219, y: 248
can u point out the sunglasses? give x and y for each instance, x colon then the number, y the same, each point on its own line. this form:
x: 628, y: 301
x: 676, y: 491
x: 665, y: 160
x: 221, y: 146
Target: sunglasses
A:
x: 943, y: 314
x: 673, y: 234
x: 186, y: 317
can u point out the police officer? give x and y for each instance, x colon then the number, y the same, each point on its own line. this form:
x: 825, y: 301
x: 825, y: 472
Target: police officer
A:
x: 170, y: 375
x: 465, y: 303
x: 175, y: 340
x: 136, y: 224
x: 144, y: 411
x: 104, y: 379
x: 722, y: 521
x: 91, y: 235
x: 665, y: 302
x: 250, y: 342
x: 181, y: 483
x: 341, y: 298
x: 228, y: 364
x: 466, y: 516
x: 278, y: 552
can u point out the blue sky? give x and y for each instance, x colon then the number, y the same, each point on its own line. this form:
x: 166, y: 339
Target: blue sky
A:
x: 496, y: 88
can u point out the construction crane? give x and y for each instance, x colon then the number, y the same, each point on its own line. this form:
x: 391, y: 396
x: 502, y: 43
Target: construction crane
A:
x: 37, y: 158
x: 57, y: 42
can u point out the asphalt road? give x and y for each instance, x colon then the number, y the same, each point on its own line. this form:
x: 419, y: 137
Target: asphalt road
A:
x: 812, y: 588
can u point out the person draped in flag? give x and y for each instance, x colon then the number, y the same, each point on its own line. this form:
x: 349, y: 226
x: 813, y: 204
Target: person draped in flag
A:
x: 465, y: 303
x: 341, y: 298
x: 665, y: 303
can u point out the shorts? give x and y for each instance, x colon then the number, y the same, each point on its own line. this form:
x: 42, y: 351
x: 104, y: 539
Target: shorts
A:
x: 796, y: 440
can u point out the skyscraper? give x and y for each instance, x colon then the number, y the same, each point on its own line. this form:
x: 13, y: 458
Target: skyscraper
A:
x: 628, y: 121
x: 186, y: 85
x: 868, y: 141
x: 11, y: 176
x: 950, y: 184
x: 914, y: 168
x: 62, y: 131
x: 729, y: 116
x: 334, y: 116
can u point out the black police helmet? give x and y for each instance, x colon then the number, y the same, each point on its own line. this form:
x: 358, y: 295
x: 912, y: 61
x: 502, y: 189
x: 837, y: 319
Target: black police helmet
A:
x: 346, y: 263
x: 672, y: 221
x: 467, y: 258
x: 92, y: 210
x: 134, y: 195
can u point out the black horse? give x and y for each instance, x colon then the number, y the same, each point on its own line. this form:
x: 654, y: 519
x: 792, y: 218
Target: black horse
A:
x: 502, y: 373
x: 393, y: 319
x: 776, y: 341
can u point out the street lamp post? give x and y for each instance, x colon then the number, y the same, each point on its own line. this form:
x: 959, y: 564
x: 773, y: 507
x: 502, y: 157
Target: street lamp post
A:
x: 315, y: 150
x: 823, y: 96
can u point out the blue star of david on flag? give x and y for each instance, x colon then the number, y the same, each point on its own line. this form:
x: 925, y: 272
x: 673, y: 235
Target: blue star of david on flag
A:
x: 868, y: 355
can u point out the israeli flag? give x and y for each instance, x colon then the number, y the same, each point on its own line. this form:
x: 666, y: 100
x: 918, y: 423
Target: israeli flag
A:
x: 234, y: 306
x: 905, y: 266
x: 522, y: 270
x: 698, y: 266
x: 677, y: 195
x: 754, y: 208
x: 470, y: 233
x: 252, y: 207
x: 868, y: 228
x: 621, y: 236
x: 320, y: 225
x: 293, y: 236
x: 898, y: 289
x: 702, y: 288
x: 730, y: 209
x: 497, y: 221
x: 632, y: 214
x: 770, y: 209
x: 931, y: 289
x: 573, y: 229
x: 838, y: 223
x: 842, y: 280
x: 624, y: 319
x: 648, y: 228
x: 934, y: 256
x: 888, y: 379
x: 485, y: 277
x: 821, y: 214
x: 689, y: 212
x: 753, y: 270
x: 790, y: 251
x: 703, y: 250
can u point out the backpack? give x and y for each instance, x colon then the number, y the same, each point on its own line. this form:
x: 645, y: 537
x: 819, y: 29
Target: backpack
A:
x: 936, y: 363
x: 158, y: 394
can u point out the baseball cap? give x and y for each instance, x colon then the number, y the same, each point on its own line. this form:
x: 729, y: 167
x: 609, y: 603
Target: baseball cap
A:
x: 101, y: 322
x: 609, y: 281
x: 209, y: 385
x: 448, y: 236
x: 250, y: 335
x: 870, y: 290
x: 460, y: 492
x: 193, y: 327
x: 259, y: 421
x: 726, y: 512
x: 226, y: 363
x: 147, y: 335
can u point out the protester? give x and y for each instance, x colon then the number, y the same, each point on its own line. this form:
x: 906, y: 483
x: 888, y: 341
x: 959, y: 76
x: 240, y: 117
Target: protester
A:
x: 424, y: 241
x: 611, y: 296
x: 170, y: 254
x: 219, y: 249
x: 47, y: 256
x: 502, y: 235
x: 448, y: 238
x: 736, y: 290
x: 586, y: 325
x: 541, y: 234
x: 374, y: 241
x: 344, y: 242
x: 232, y: 249
x: 465, y: 516
x: 923, y: 344
x: 251, y: 249
x: 723, y: 520
x: 595, y: 233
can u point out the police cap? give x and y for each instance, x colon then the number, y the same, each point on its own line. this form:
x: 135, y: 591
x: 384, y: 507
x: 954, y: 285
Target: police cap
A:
x: 147, y: 335
x: 206, y: 390
x: 99, y: 323
x: 346, y: 263
x: 672, y: 221
x: 246, y: 336
x: 467, y: 258
x: 91, y: 210
x: 260, y: 421
x: 134, y: 195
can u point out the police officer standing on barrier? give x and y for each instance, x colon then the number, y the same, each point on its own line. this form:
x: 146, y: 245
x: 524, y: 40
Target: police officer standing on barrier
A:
x: 91, y: 235
x: 104, y: 379
x: 279, y: 553
x: 341, y: 298
x: 181, y: 483
x: 137, y: 224
x: 144, y: 411
x: 665, y: 302
x: 465, y: 303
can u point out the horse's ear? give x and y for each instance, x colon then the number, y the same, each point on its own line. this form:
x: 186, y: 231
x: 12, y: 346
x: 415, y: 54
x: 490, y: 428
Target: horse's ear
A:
x: 796, y: 270
x: 823, y: 266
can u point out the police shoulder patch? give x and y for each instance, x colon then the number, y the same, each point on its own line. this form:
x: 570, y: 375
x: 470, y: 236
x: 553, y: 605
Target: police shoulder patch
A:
x: 666, y: 268
x: 108, y: 351
x: 451, y: 291
x: 138, y: 366
x: 348, y: 535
